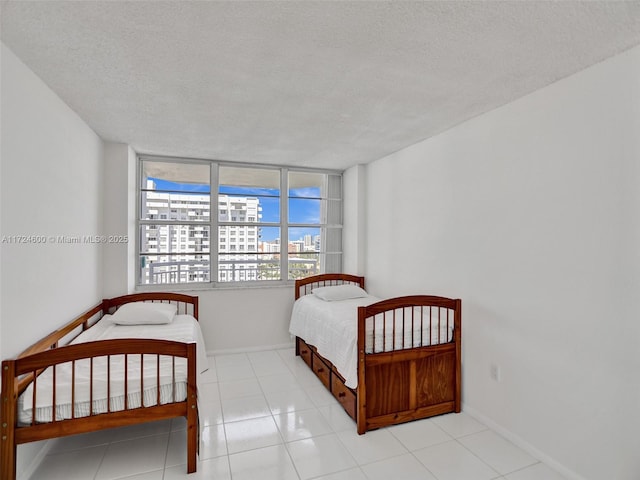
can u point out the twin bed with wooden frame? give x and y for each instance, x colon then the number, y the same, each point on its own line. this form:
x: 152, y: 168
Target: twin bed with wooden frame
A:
x: 401, y: 357
x: 166, y: 389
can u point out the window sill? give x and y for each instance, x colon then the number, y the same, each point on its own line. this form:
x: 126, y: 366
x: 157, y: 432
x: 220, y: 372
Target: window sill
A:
x: 196, y: 287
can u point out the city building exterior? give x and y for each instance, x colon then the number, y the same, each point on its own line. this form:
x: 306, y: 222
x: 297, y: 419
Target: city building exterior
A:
x: 176, y: 252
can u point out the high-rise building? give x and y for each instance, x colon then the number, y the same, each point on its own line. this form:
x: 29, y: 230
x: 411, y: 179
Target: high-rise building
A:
x: 180, y: 252
x: 238, y: 245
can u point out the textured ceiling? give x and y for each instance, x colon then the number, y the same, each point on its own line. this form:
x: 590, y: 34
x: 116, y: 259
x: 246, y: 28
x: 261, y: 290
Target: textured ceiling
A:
x: 325, y: 84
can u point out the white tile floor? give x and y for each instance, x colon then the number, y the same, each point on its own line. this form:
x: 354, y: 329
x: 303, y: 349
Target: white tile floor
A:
x: 266, y: 416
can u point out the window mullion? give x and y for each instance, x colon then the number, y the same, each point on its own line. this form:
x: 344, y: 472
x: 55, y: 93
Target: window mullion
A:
x: 284, y: 225
x: 138, y: 259
x: 214, y: 220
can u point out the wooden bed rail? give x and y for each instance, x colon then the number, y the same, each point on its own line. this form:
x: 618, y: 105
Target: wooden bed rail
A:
x: 411, y: 301
x: 51, y: 340
x: 100, y: 348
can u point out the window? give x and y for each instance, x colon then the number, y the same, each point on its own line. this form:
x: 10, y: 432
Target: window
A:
x: 274, y: 224
x: 315, y: 223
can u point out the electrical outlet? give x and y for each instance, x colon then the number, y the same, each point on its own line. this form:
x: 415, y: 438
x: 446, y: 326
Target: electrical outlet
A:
x: 495, y: 372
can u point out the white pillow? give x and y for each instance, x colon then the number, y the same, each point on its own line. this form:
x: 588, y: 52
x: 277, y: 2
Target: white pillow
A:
x: 339, y: 292
x: 144, y: 313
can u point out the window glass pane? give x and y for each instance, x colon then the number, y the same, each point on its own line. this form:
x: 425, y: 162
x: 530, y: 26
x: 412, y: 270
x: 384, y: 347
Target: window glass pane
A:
x: 249, y: 194
x: 332, y: 240
x: 333, y: 215
x: 304, y: 239
x: 242, y: 209
x: 307, y: 264
x: 305, y: 246
x: 180, y: 268
x: 175, y: 191
x: 306, y: 211
x: 307, y: 184
x: 174, y: 239
x: 181, y: 176
x: 303, y: 265
x: 189, y: 207
x: 269, y: 239
x: 242, y: 267
x: 248, y: 253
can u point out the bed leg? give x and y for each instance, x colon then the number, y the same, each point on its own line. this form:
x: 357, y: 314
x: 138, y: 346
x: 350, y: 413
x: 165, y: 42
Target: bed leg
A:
x: 193, y: 434
x: 192, y: 448
x: 8, y: 471
x: 8, y: 400
x: 192, y: 410
x: 361, y: 391
x: 458, y: 340
x: 8, y: 460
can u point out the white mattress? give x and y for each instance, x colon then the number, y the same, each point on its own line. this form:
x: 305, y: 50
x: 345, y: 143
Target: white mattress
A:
x: 183, y: 328
x: 332, y: 327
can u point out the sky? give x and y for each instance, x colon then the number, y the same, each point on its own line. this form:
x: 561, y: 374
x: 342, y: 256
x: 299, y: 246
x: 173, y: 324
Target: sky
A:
x: 301, y: 210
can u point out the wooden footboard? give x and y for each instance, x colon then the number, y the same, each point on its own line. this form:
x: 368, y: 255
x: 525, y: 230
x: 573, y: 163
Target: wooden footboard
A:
x: 46, y: 355
x: 399, y: 383
x: 409, y: 357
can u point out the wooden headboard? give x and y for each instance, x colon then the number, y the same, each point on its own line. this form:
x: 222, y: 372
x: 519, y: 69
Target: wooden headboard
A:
x: 305, y: 285
x: 186, y: 304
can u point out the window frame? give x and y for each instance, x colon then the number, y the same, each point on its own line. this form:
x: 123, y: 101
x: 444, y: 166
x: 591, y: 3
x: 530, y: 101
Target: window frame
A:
x: 214, y: 223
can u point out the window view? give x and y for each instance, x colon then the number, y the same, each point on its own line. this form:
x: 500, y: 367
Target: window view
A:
x: 175, y: 214
x: 260, y: 232
x: 249, y: 217
x: 314, y: 223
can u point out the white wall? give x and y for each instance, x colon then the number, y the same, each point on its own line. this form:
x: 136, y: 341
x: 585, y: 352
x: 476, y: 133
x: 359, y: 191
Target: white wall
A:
x: 241, y: 319
x: 50, y: 186
x: 531, y: 215
x: 354, y: 228
x: 119, y: 227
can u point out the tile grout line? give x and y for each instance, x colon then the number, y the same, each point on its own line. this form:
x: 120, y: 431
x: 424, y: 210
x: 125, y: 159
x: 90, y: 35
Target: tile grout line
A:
x: 224, y: 428
x: 284, y: 442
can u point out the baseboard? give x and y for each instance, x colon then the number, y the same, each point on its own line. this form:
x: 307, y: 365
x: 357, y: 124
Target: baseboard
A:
x: 523, y: 444
x: 35, y: 463
x: 262, y: 348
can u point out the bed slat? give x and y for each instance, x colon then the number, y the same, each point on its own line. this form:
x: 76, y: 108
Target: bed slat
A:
x: 158, y: 379
x: 108, y: 383
x: 73, y: 389
x: 91, y: 387
x: 33, y: 398
x: 173, y: 378
x: 126, y: 381
x: 142, y: 379
x: 53, y: 395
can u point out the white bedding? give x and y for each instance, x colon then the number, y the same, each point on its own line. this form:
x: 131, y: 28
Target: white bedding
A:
x: 331, y: 327
x: 183, y: 328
